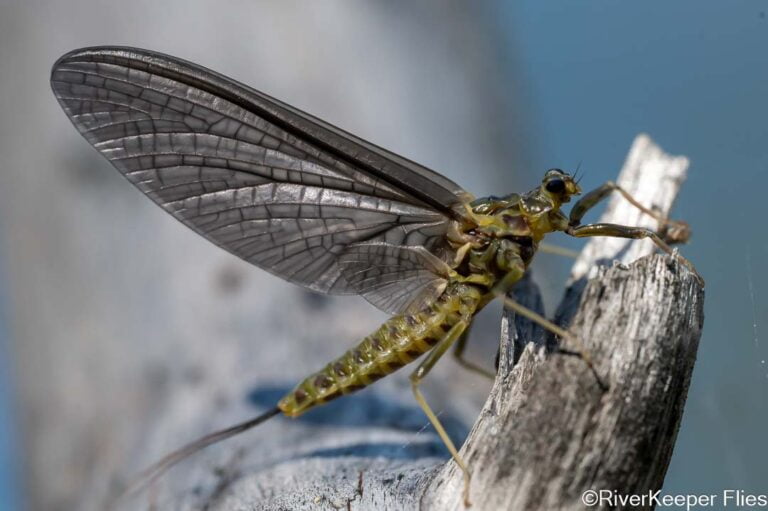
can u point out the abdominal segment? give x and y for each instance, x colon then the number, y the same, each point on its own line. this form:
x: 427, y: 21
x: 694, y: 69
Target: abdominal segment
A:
x: 398, y: 341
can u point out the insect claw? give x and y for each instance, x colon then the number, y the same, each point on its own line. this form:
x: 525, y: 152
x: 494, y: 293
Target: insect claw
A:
x: 675, y: 231
x: 600, y: 383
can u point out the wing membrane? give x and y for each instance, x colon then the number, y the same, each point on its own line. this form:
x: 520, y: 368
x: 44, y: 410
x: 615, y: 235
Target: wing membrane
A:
x: 394, y: 278
x: 271, y: 184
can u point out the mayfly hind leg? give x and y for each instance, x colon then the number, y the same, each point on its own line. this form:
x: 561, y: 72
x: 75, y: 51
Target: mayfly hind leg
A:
x: 425, y: 366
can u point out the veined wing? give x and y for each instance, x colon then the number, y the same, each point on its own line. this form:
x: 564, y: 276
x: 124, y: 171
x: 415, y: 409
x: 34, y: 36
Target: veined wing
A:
x: 273, y: 185
x: 394, y: 278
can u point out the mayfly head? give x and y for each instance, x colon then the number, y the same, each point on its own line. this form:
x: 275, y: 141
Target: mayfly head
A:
x: 559, y: 186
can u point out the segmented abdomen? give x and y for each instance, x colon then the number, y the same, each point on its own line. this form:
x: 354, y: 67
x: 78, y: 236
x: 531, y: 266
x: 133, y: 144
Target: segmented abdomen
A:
x: 398, y: 341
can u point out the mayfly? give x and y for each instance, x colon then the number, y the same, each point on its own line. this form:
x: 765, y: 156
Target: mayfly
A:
x: 324, y: 209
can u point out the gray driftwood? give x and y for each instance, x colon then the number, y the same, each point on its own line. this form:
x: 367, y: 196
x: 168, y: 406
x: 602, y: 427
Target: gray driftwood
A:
x: 547, y: 432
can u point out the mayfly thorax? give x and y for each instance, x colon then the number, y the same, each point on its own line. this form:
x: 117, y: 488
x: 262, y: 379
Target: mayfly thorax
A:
x: 324, y: 209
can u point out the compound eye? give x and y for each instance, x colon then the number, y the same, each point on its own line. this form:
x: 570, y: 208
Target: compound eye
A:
x: 555, y: 186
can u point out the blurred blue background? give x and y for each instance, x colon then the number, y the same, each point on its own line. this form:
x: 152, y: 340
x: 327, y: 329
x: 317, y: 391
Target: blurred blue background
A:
x: 10, y: 456
x: 525, y: 86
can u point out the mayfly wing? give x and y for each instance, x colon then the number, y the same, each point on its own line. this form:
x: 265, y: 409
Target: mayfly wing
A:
x: 394, y: 278
x: 263, y: 180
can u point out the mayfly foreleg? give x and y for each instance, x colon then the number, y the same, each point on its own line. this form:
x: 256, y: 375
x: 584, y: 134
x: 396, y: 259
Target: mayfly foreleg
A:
x: 458, y: 354
x: 674, y: 231
x: 575, y: 346
x: 623, y: 231
x: 438, y: 351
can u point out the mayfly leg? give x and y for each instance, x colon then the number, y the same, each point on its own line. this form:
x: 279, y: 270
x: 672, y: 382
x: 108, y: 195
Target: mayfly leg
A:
x: 434, y: 355
x: 623, y: 231
x: 458, y: 354
x: 576, y: 347
x: 675, y: 231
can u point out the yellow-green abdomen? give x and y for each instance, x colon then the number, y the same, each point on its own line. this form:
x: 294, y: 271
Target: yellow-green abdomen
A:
x: 398, y: 341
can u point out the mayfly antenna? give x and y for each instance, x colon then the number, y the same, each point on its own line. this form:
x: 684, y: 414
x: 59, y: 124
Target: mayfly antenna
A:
x: 576, y: 177
x: 154, y: 471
